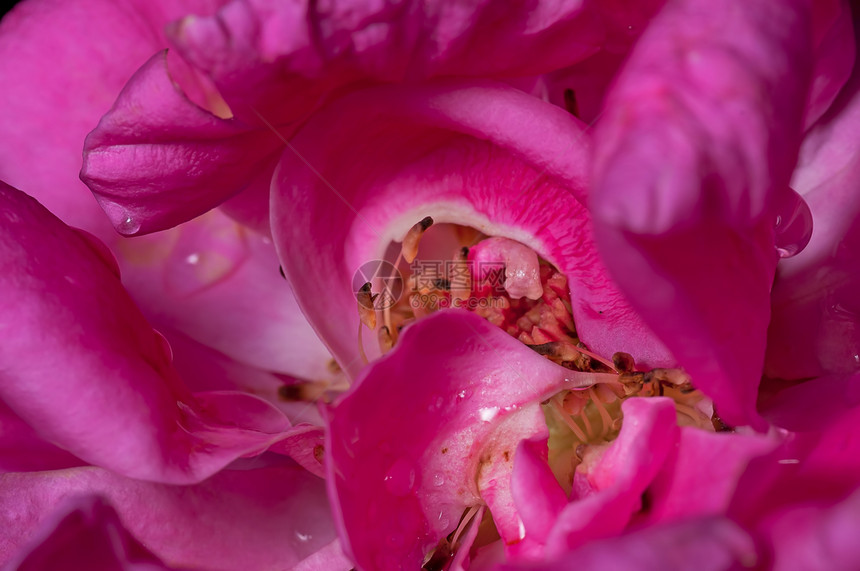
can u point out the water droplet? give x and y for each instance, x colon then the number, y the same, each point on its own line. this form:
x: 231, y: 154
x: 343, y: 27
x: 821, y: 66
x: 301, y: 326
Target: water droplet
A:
x: 789, y: 461
x: 443, y: 521
x: 488, y: 414
x: 438, y: 479
x: 793, y: 225
x: 127, y: 225
x: 463, y: 395
x: 205, y: 253
x: 436, y: 403
x: 303, y: 537
x: 400, y: 479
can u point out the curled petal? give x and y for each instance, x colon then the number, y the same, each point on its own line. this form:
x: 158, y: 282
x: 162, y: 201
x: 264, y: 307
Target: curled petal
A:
x: 104, y: 356
x: 261, y: 518
x: 702, y: 473
x: 713, y: 543
x: 156, y: 159
x: 620, y: 477
x: 64, y: 63
x: 85, y: 533
x: 439, y: 151
x: 692, y: 158
x: 815, y: 311
x: 461, y: 395
x: 835, y: 53
x: 282, y: 60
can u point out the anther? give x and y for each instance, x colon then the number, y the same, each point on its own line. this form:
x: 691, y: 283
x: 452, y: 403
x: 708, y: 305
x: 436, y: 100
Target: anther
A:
x: 385, y: 340
x: 413, y: 237
x: 623, y: 362
x: 366, y: 312
x: 570, y: 102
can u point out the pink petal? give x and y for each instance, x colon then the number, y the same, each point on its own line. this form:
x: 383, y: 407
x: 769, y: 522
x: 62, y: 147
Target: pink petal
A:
x: 702, y: 473
x: 429, y: 430
x: 538, y: 496
x: 713, y: 544
x: 22, y: 449
x: 694, y: 153
x: 815, y: 312
x: 441, y: 151
x: 45, y: 58
x: 282, y: 60
x: 218, y: 283
x: 835, y: 53
x: 65, y: 63
x: 623, y: 473
x: 108, y: 392
x: 157, y: 159
x: 814, y: 537
x: 85, y: 533
x: 263, y: 518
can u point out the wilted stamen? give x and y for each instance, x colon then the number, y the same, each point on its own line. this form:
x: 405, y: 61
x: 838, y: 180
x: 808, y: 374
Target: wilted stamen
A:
x: 366, y: 316
x: 413, y: 237
x: 366, y: 312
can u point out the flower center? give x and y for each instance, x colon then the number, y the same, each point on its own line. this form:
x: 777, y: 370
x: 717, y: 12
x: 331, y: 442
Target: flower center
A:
x: 509, y: 285
x: 501, y: 280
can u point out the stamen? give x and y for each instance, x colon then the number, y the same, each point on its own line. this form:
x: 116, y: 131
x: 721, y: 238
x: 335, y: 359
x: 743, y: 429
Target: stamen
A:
x: 623, y: 362
x: 466, y: 519
x: 366, y: 312
x: 361, y: 352
x: 565, y: 418
x: 366, y: 316
x: 597, y: 358
x: 386, y: 342
x: 413, y: 237
x: 604, y: 414
x: 570, y: 102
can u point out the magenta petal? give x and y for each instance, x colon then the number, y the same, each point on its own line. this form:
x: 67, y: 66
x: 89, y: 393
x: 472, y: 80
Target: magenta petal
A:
x: 693, y: 153
x: 712, y: 544
x: 702, y: 473
x: 815, y: 536
x: 218, y: 283
x: 835, y: 54
x: 156, y: 159
x: 282, y: 60
x: 262, y: 518
x: 85, y: 534
x: 538, y: 496
x: 628, y: 466
x: 108, y: 393
x: 23, y: 450
x: 440, y: 150
x: 815, y: 309
x: 63, y: 64
x: 456, y: 396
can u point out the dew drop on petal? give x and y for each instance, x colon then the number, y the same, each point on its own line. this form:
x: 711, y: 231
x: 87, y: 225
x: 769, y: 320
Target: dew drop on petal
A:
x: 793, y: 226
x: 123, y: 220
x: 128, y: 225
x: 488, y: 414
x: 400, y: 478
x: 205, y: 254
x: 438, y: 479
x: 303, y: 537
